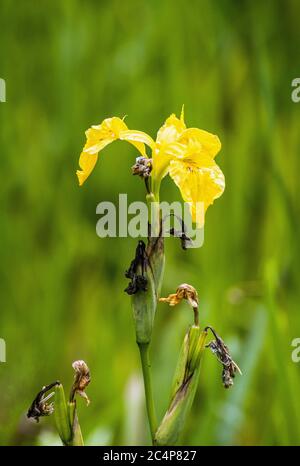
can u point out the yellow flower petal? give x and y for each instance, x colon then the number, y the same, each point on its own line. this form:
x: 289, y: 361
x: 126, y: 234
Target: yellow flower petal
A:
x: 98, y: 137
x: 200, y: 182
x: 137, y: 137
x: 206, y: 142
x: 166, y: 141
x: 161, y: 158
x: 171, y: 130
x: 87, y: 163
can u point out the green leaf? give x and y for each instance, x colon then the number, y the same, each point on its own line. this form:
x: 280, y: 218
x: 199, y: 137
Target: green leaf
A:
x: 61, y: 415
x: 183, y: 388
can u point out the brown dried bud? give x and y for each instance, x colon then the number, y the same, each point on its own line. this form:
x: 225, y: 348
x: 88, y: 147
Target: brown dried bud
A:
x: 81, y: 380
x: 142, y: 167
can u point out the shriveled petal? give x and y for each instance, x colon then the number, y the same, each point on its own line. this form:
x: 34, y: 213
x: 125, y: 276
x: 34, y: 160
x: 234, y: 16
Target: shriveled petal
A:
x: 198, y: 183
x: 171, y: 130
x: 98, y: 137
x: 172, y: 299
x: 184, y: 291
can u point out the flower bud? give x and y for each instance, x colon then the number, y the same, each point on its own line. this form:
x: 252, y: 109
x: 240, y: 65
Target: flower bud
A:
x: 142, y: 167
x: 183, y: 388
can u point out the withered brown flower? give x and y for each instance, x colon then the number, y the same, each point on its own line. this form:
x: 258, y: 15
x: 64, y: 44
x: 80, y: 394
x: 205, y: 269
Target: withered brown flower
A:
x: 188, y: 293
x: 81, y: 380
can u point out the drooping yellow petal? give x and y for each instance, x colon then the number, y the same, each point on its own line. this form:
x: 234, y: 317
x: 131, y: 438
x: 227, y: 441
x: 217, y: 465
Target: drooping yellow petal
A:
x: 87, y: 163
x: 134, y: 136
x: 199, y: 183
x: 98, y: 137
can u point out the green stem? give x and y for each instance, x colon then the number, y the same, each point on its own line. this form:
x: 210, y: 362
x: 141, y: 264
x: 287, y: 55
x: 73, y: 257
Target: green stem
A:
x: 144, y: 353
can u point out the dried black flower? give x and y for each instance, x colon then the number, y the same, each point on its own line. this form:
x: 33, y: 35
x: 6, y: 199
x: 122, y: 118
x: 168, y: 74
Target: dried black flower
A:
x: 219, y: 348
x: 138, y: 280
x: 40, y: 406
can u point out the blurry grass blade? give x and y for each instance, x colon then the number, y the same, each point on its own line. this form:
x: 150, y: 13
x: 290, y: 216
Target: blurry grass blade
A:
x: 289, y: 392
x: 233, y: 408
x: 183, y: 388
x: 61, y: 415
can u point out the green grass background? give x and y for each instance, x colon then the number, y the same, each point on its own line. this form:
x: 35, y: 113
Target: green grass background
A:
x: 69, y: 64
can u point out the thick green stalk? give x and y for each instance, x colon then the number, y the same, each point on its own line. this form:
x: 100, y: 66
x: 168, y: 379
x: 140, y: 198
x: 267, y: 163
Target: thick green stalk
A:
x: 145, y: 361
x: 145, y: 303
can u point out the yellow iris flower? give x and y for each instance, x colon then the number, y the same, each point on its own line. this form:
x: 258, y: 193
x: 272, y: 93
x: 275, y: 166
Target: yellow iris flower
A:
x: 186, y: 154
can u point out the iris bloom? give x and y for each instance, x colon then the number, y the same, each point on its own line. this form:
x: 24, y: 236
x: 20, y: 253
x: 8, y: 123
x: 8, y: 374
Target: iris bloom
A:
x: 186, y: 154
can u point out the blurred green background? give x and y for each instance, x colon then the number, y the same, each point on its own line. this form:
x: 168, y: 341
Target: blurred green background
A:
x: 69, y: 64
